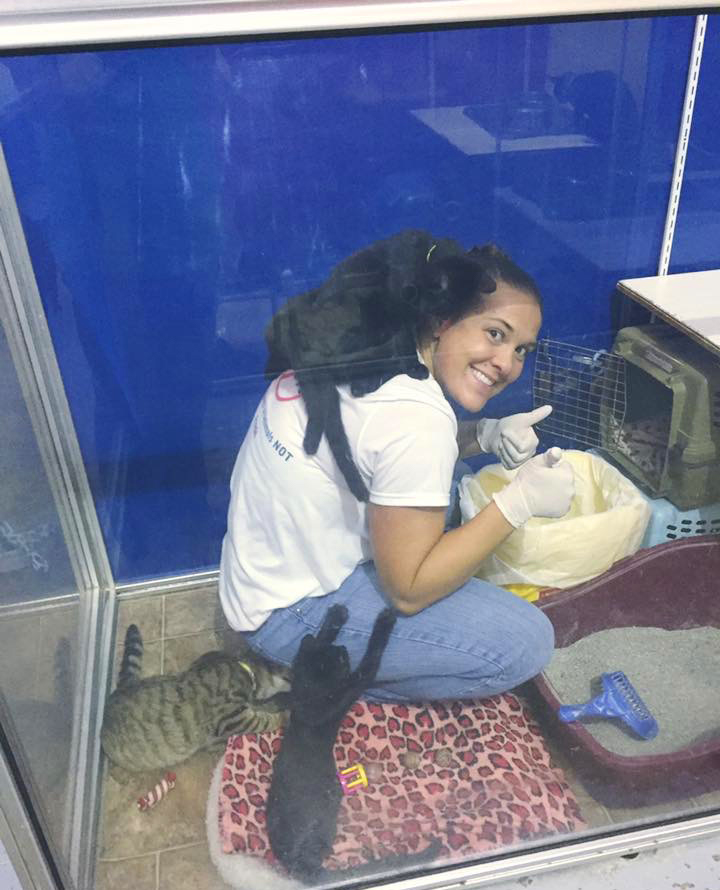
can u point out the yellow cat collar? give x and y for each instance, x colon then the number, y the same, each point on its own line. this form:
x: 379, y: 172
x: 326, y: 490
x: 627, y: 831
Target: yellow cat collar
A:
x: 246, y: 667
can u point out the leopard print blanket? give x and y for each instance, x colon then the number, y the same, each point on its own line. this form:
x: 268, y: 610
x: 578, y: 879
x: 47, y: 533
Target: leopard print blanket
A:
x: 475, y: 774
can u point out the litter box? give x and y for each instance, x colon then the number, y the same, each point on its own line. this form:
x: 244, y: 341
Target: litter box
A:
x: 672, y: 586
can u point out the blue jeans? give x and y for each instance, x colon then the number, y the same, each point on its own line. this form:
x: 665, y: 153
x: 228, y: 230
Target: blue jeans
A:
x: 478, y: 641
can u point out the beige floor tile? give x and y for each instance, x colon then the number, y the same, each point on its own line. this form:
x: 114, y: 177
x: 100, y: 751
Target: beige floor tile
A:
x: 39, y: 690
x: 669, y: 796
x: 180, y: 652
x: 191, y: 612
x: 146, y: 612
x: 58, y: 628
x: 626, y: 803
x: 139, y: 874
x: 593, y: 812
x: 20, y: 648
x: 653, y: 812
x: 176, y: 820
x: 189, y: 869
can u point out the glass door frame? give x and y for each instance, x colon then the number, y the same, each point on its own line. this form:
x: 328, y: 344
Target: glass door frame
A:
x: 19, y: 836
x: 23, y: 319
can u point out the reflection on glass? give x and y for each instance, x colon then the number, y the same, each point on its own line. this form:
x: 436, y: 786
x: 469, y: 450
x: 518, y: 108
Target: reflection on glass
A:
x: 207, y: 184
x: 38, y: 617
x: 178, y: 198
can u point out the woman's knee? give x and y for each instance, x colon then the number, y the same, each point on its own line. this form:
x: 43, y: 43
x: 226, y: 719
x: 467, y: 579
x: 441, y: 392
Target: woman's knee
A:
x: 539, y: 644
x: 526, y: 649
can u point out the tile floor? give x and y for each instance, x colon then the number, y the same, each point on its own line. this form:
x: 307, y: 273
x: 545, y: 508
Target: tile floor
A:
x: 167, y: 848
x: 37, y: 698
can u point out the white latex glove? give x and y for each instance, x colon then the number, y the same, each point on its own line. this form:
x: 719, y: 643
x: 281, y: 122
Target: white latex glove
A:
x: 512, y: 438
x: 544, y: 486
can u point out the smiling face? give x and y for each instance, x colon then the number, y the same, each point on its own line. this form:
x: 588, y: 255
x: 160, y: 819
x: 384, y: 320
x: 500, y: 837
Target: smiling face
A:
x: 477, y: 357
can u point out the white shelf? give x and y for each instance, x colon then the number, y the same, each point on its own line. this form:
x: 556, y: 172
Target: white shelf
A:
x: 452, y: 123
x: 689, y: 301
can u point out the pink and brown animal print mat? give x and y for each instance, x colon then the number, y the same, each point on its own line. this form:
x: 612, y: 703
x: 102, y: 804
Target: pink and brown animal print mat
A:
x: 475, y: 774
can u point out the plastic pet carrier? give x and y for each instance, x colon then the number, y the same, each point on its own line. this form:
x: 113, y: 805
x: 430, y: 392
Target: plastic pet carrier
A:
x: 652, y: 406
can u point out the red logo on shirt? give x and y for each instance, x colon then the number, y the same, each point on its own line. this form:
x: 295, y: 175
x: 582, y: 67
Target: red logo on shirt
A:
x: 286, y: 387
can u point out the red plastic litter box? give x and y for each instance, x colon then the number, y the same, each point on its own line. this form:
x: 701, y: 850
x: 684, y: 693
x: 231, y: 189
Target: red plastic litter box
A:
x: 673, y: 586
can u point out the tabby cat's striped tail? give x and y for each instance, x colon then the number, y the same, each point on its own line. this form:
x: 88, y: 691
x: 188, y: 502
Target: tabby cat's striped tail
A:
x: 131, y: 665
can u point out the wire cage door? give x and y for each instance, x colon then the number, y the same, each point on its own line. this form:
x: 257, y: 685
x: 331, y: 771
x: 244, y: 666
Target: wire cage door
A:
x: 587, y: 391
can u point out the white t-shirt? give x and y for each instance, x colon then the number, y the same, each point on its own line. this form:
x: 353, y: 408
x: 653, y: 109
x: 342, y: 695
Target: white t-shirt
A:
x: 294, y: 528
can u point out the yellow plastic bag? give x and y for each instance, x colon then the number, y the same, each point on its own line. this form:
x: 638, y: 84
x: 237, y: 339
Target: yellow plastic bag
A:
x: 606, y: 522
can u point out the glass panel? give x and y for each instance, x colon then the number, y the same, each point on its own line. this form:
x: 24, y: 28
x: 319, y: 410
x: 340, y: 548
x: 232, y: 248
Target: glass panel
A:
x: 39, y: 615
x: 7, y: 873
x: 696, y: 246
x: 207, y: 183
x: 174, y: 198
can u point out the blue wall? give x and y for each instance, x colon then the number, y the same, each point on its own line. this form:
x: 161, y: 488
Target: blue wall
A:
x: 174, y: 196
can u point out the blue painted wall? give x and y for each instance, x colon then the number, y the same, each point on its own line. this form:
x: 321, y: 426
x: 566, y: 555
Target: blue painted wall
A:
x: 173, y: 196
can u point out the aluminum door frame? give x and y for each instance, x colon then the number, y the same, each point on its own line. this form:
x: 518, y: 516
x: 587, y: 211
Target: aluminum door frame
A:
x: 19, y: 837
x: 23, y: 319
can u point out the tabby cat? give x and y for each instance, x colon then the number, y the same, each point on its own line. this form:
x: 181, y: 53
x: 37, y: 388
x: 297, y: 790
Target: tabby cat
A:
x: 154, y: 722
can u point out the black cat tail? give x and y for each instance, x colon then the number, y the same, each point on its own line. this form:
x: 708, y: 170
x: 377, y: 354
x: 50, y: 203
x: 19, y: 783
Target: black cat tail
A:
x: 340, y: 447
x: 131, y: 665
x: 322, y: 402
x: 317, y: 397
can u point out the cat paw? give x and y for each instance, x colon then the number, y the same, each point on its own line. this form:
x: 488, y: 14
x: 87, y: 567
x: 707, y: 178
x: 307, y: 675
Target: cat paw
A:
x: 336, y: 616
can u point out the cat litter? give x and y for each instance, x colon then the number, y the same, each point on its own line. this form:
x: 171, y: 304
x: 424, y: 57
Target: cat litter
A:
x: 675, y: 672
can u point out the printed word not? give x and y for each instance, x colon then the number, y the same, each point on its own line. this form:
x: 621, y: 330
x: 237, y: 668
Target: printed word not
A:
x: 281, y: 449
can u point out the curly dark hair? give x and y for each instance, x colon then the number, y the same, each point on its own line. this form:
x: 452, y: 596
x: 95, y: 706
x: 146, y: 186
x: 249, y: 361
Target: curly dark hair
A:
x: 364, y: 325
x: 457, y: 287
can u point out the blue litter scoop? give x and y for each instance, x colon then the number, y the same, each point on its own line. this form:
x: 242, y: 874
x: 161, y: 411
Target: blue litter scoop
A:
x: 619, y: 698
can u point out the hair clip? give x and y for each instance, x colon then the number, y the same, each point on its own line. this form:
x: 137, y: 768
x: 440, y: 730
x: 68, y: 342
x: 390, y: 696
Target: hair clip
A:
x: 427, y: 255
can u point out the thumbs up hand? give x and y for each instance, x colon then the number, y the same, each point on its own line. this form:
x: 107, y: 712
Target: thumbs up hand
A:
x: 544, y: 486
x: 512, y: 438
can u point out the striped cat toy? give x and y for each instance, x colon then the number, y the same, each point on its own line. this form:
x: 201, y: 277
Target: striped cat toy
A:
x: 153, y: 797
